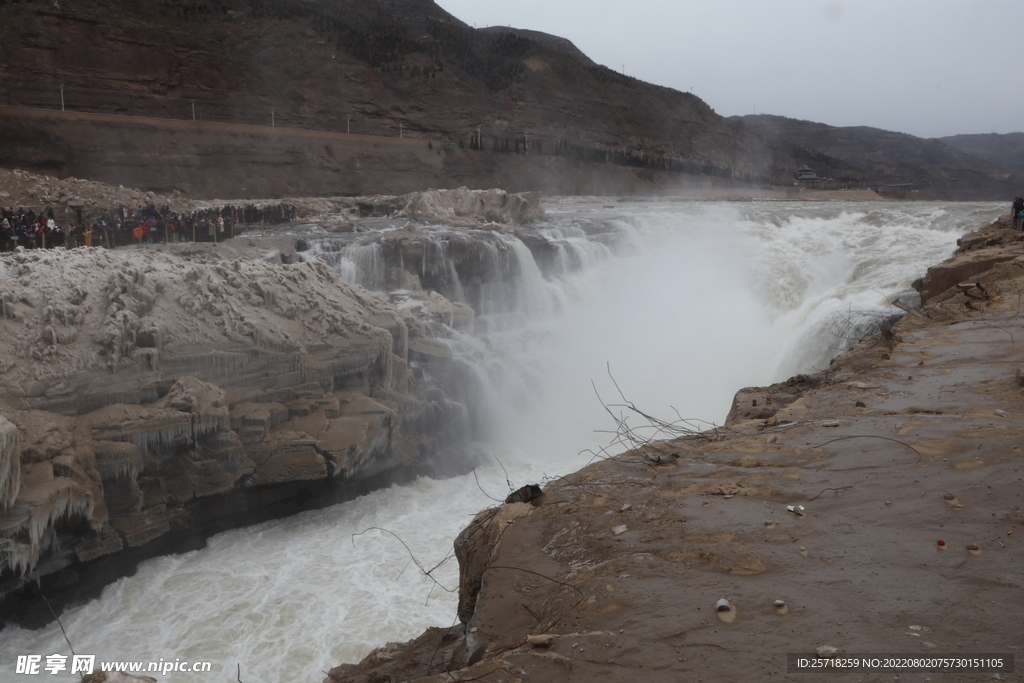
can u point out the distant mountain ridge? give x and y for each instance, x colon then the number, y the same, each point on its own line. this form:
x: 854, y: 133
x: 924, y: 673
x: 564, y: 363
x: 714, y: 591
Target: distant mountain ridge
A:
x: 408, y: 68
x: 1005, y: 150
x: 891, y: 159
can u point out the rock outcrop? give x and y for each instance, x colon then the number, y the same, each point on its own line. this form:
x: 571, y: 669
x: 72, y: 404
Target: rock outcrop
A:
x: 149, y: 395
x: 465, y: 207
x: 460, y: 207
x: 978, y: 252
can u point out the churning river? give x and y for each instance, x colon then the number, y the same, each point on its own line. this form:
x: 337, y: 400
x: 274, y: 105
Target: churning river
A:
x: 684, y: 303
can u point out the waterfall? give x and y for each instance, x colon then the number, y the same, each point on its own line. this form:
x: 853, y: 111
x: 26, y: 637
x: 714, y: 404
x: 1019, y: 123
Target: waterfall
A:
x: 685, y: 302
x: 360, y: 264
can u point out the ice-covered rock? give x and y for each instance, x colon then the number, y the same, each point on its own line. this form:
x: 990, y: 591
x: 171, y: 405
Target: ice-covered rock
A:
x: 144, y: 389
x: 10, y: 463
x: 465, y: 207
x: 460, y: 207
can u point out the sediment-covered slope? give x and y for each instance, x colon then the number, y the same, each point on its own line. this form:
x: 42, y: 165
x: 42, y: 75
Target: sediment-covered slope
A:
x: 146, y: 392
x: 875, y: 507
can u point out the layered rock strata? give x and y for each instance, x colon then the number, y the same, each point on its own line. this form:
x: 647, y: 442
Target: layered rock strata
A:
x: 151, y: 396
x: 875, y: 507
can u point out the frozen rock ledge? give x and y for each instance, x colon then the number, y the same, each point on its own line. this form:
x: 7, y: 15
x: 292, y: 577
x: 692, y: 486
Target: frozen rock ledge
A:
x: 150, y: 397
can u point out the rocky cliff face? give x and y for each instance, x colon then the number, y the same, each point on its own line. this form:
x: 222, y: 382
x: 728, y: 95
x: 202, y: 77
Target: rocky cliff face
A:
x: 149, y: 396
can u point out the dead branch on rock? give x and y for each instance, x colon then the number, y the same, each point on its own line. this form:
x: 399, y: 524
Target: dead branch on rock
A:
x: 511, y: 486
x: 870, y: 436
x: 837, y: 488
x: 412, y: 556
x: 63, y: 632
x: 497, y: 500
x: 849, y: 333
x: 543, y: 576
x: 530, y: 611
x: 632, y: 438
x: 1000, y: 328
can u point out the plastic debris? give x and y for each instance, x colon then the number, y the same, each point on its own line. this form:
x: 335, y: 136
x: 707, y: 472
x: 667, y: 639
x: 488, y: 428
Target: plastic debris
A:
x: 797, y: 510
x: 725, y: 611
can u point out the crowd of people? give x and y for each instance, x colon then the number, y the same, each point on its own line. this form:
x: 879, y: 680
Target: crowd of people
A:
x: 134, y: 225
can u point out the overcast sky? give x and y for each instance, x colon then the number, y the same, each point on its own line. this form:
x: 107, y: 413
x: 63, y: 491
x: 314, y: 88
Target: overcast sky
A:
x: 927, y: 67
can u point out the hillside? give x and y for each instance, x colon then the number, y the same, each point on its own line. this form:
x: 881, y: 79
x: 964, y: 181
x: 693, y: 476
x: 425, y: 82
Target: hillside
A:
x: 1006, y: 150
x: 385, y: 64
x: 896, y: 162
x: 395, y: 68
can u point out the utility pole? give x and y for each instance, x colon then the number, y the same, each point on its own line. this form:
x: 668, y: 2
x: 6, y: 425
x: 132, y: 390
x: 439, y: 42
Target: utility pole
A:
x: 526, y: 143
x: 193, y: 109
x: 479, y: 139
x: 400, y: 130
x: 348, y: 128
x: 272, y: 123
x: 62, y: 97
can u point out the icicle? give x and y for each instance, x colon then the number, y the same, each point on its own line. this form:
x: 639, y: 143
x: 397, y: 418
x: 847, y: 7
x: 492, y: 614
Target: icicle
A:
x: 64, y: 499
x: 10, y: 463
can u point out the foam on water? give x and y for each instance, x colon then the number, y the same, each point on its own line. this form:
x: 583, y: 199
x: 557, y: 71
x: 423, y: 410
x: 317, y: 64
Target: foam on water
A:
x: 698, y: 301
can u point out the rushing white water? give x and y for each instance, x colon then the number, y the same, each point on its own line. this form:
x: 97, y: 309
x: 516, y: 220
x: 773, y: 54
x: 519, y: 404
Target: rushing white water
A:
x: 684, y: 302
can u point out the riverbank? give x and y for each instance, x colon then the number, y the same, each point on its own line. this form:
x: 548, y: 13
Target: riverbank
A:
x: 879, y: 501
